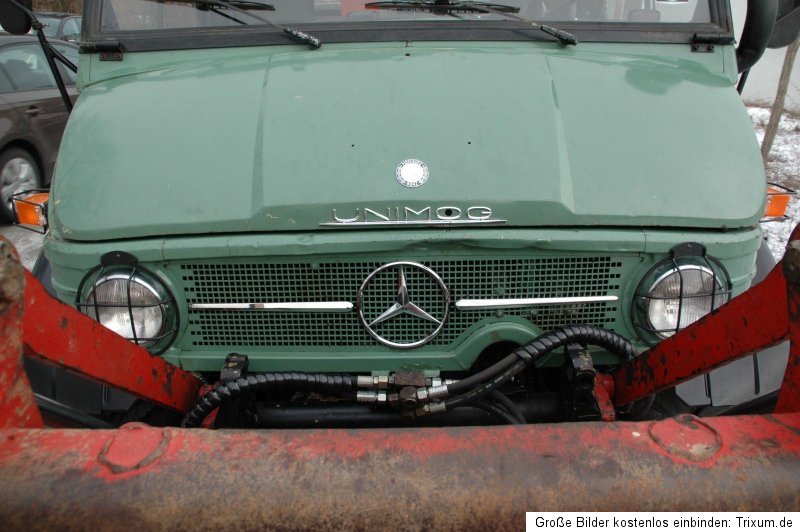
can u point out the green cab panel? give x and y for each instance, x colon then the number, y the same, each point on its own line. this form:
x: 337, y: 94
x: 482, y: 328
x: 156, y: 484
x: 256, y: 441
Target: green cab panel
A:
x: 276, y: 139
x: 331, y: 266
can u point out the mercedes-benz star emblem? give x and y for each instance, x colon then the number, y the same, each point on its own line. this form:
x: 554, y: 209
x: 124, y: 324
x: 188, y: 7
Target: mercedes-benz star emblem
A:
x: 403, y: 323
x: 412, y: 173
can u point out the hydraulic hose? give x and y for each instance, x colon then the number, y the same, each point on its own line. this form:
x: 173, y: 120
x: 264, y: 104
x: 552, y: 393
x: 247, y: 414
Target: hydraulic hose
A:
x: 530, y: 353
x: 508, y: 404
x: 467, y: 391
x: 327, y: 384
x: 497, y: 411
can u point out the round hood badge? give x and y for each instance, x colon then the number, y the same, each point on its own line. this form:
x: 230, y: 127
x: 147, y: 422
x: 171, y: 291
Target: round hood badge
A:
x: 412, y: 173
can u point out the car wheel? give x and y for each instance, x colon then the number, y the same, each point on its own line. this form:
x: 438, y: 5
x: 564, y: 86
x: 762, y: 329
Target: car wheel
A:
x: 18, y: 173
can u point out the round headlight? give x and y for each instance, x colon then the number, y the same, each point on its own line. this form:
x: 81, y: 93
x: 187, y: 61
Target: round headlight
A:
x: 681, y: 297
x: 132, y: 304
x: 127, y: 305
x: 676, y: 293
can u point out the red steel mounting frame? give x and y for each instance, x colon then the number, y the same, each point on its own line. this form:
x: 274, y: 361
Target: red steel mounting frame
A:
x: 58, y: 333
x: 173, y: 478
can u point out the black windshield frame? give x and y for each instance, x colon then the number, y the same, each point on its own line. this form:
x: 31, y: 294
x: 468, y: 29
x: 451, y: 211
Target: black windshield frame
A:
x: 721, y: 27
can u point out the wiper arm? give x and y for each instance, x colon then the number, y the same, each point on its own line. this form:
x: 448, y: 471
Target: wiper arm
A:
x: 441, y: 6
x: 447, y: 6
x: 219, y: 12
x: 564, y: 37
x: 300, y: 36
x: 51, y: 54
x: 255, y: 6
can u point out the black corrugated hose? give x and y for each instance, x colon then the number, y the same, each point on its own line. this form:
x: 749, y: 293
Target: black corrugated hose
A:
x: 466, y: 391
x: 323, y: 383
x: 475, y: 387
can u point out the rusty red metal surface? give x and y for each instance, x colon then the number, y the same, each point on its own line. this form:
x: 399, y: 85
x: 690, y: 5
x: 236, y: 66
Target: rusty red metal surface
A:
x: 17, y: 405
x: 603, y: 392
x: 57, y: 332
x: 458, y: 478
x: 761, y: 317
x: 789, y: 398
x: 752, y: 321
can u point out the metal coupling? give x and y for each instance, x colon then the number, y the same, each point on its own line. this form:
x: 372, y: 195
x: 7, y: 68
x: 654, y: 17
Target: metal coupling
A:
x: 374, y: 383
x: 366, y: 396
x: 437, y: 392
x: 408, y: 398
x: 422, y: 395
x: 370, y: 396
x: 364, y: 381
x: 431, y: 409
x: 436, y: 381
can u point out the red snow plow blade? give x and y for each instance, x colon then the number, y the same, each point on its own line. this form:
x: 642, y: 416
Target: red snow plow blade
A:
x: 455, y: 478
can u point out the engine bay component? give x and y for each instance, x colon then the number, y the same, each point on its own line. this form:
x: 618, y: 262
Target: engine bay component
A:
x: 410, y: 395
x: 235, y: 367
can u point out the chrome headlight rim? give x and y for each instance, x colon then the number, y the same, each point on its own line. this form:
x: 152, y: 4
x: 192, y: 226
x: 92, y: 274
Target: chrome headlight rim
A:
x: 687, y: 257
x: 120, y: 266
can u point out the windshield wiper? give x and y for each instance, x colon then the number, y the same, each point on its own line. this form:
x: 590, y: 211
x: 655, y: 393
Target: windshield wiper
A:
x: 300, y: 36
x: 439, y: 5
x: 255, y: 6
x: 448, y: 6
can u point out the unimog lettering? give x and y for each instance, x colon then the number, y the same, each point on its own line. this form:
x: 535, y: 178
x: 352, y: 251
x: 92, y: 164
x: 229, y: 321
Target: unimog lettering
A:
x: 401, y: 215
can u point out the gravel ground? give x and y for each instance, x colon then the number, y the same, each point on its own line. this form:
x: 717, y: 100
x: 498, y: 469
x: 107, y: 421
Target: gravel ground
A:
x: 27, y: 242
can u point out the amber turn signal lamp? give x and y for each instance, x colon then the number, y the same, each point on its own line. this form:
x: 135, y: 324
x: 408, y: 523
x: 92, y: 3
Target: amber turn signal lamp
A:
x: 31, y: 209
x: 777, y: 201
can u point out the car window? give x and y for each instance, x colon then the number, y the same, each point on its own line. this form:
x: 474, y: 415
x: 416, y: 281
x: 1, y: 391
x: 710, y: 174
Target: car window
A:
x: 5, y: 83
x: 71, y: 53
x: 72, y: 29
x: 51, y: 25
x: 27, y: 67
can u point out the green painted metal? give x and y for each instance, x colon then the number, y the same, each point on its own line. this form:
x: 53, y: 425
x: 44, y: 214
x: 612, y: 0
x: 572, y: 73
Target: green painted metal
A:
x: 637, y: 250
x: 614, y: 152
x: 276, y: 138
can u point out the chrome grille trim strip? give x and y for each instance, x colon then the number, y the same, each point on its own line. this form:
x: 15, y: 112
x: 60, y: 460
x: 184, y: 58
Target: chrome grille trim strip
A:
x: 331, y: 306
x: 483, y: 304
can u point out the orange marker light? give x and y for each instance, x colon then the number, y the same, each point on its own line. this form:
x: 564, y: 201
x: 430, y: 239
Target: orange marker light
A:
x: 777, y: 201
x: 30, y: 210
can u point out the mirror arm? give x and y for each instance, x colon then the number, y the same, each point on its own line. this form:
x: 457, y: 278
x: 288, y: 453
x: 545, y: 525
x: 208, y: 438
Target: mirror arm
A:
x: 758, y: 28
x: 50, y: 54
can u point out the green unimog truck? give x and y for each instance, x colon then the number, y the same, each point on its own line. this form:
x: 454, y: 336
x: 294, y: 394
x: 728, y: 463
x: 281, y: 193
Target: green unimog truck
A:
x: 406, y: 191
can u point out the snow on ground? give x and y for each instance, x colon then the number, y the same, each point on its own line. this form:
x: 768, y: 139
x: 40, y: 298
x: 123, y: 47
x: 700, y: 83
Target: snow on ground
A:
x: 783, y: 168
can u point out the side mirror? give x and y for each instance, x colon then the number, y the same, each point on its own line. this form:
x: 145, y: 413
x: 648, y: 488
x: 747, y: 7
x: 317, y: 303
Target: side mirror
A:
x: 758, y: 28
x: 787, y: 24
x: 13, y: 19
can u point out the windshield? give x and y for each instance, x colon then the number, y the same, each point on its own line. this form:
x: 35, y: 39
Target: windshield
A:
x: 51, y: 25
x: 116, y: 17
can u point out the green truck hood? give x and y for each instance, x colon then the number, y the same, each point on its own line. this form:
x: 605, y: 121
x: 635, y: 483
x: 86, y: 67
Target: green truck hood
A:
x: 255, y: 139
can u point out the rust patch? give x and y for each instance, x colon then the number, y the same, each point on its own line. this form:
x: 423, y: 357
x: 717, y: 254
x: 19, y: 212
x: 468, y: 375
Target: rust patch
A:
x: 791, y: 263
x: 134, y: 446
x: 12, y: 282
x: 686, y: 436
x: 169, y: 373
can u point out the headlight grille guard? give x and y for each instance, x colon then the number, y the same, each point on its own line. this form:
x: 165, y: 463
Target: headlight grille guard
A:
x: 128, y: 267
x: 680, y: 257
